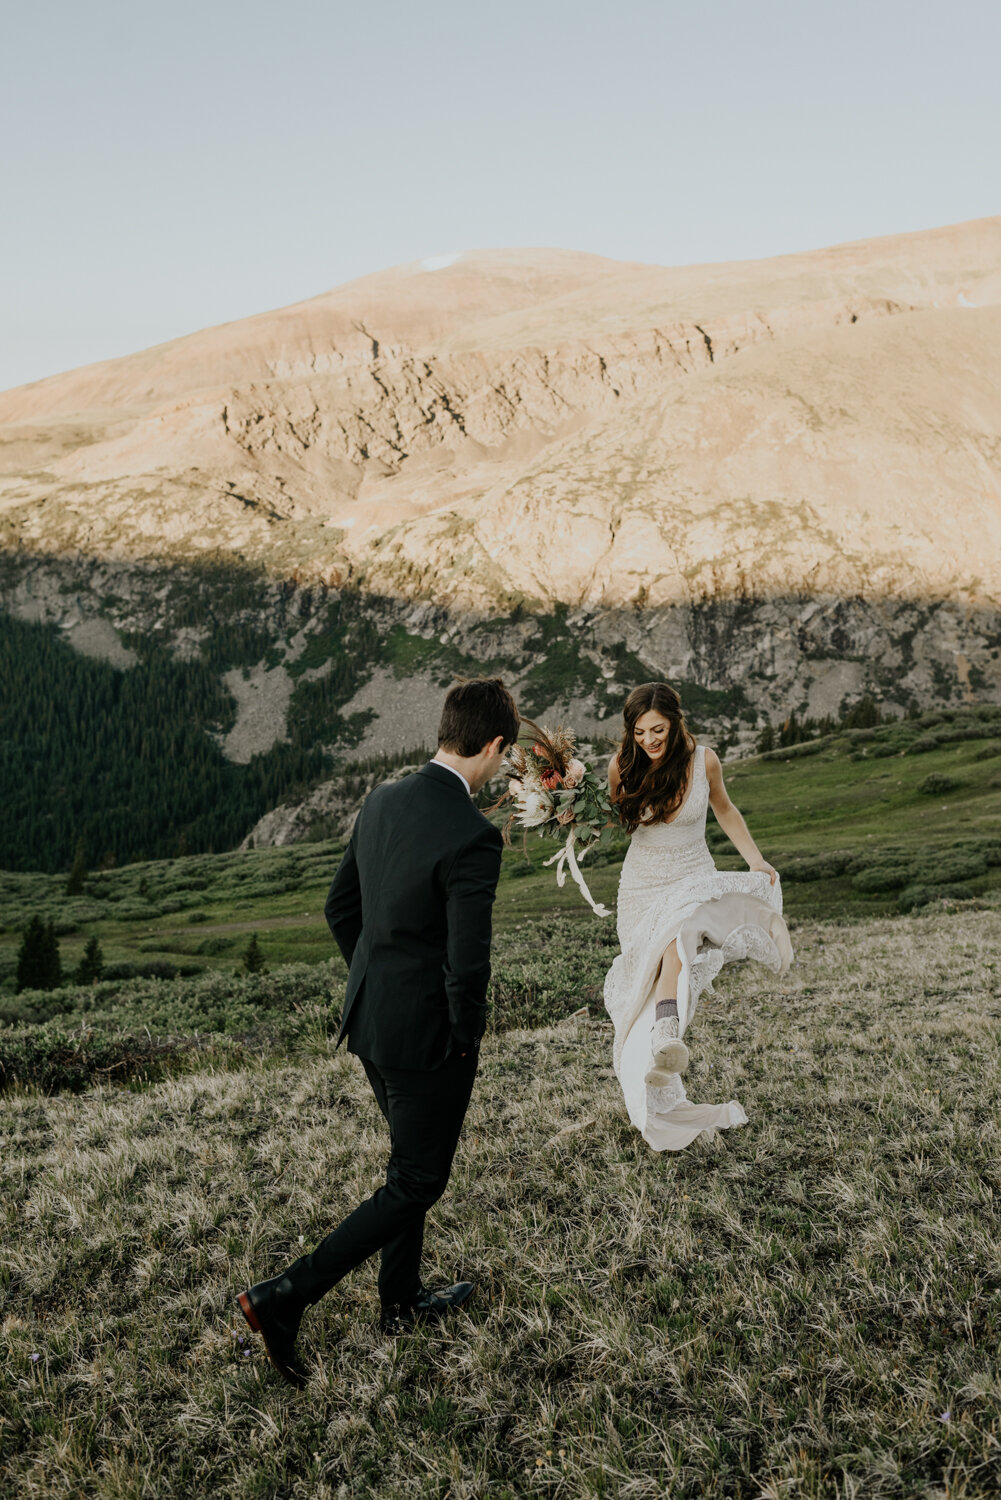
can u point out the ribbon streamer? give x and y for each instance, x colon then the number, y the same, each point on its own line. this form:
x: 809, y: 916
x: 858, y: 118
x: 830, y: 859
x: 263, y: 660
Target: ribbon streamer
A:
x: 566, y: 856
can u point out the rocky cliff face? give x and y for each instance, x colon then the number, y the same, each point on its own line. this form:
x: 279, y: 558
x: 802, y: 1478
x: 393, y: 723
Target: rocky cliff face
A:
x: 738, y: 662
x: 776, y: 484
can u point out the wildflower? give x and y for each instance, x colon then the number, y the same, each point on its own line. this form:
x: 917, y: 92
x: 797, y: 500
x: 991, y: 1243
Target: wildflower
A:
x: 35, y: 1358
x: 944, y: 1416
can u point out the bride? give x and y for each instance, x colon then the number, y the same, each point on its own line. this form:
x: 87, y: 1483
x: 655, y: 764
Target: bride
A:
x: 679, y: 918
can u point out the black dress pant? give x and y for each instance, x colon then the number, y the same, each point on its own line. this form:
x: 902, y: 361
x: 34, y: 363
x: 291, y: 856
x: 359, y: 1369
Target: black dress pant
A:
x: 425, y: 1112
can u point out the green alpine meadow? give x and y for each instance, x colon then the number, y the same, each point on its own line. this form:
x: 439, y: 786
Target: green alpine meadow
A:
x: 808, y: 1305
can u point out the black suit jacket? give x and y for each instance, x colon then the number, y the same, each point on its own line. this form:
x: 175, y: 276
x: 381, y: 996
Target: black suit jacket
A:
x: 410, y: 909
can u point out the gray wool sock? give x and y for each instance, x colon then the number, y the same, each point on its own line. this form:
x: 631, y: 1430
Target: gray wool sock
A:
x: 667, y: 1010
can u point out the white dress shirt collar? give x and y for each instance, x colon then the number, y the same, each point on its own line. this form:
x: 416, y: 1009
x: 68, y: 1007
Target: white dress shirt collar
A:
x: 454, y: 772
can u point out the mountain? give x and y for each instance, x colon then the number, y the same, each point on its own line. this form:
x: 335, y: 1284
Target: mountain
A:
x: 544, y: 427
x: 776, y: 484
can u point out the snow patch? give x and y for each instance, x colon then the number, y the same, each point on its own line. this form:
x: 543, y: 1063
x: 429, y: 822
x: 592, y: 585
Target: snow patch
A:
x: 964, y: 300
x: 440, y: 262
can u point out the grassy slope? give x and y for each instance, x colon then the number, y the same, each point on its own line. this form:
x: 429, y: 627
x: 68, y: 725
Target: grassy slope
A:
x: 203, y: 908
x: 808, y: 1308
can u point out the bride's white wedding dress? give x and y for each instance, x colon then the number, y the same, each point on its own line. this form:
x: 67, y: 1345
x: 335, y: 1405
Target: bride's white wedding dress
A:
x: 671, y: 889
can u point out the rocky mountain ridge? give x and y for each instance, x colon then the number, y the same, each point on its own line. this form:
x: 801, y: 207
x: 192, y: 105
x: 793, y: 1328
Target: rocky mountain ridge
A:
x: 812, y: 424
x: 777, y: 485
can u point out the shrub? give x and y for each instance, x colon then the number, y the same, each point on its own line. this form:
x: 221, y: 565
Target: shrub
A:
x: 543, y: 973
x: 51, y: 1058
x: 882, y: 878
x: 826, y: 866
x: 920, y: 895
x: 951, y: 734
x: 956, y: 864
x: 797, y: 752
x: 989, y: 751
x: 128, y: 910
x: 213, y: 946
x: 923, y: 744
x: 936, y: 783
x: 158, y: 968
x: 32, y: 1007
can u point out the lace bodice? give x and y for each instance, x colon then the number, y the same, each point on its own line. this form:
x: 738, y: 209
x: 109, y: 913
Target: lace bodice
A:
x: 665, y: 854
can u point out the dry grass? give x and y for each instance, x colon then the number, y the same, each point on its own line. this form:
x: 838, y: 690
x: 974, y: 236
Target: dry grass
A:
x: 808, y: 1308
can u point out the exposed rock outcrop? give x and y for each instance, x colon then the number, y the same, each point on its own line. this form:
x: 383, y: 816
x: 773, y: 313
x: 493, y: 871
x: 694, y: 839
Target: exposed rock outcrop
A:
x: 544, y: 427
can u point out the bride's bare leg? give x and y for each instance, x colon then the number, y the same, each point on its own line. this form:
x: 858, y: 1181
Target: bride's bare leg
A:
x: 670, y: 1055
x: 668, y: 975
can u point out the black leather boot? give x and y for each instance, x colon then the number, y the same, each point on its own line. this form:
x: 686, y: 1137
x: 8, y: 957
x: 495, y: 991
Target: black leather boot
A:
x: 273, y: 1310
x: 429, y: 1307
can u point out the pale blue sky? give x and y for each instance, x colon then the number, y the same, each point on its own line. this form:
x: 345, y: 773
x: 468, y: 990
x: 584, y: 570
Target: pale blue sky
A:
x: 175, y: 164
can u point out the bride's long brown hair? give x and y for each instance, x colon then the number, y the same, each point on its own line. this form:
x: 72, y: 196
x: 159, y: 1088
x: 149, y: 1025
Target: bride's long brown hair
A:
x: 643, y: 785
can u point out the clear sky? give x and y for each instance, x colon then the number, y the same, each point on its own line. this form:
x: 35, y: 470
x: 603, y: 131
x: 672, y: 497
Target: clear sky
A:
x: 175, y: 164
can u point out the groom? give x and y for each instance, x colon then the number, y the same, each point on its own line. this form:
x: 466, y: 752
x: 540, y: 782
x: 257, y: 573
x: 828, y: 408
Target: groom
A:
x: 410, y: 909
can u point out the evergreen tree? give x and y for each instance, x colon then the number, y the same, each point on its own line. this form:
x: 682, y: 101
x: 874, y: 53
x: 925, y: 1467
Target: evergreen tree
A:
x: 864, y: 714
x: 38, y: 963
x: 766, y: 739
x: 91, y: 966
x: 122, y: 760
x: 253, y: 958
x: 789, y: 731
x: 78, y: 874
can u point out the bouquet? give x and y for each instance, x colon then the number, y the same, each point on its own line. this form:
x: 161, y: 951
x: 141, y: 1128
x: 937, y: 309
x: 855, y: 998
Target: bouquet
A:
x: 560, y: 796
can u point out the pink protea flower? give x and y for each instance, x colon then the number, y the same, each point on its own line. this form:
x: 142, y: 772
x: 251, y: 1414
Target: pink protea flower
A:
x: 575, y: 774
x: 551, y: 779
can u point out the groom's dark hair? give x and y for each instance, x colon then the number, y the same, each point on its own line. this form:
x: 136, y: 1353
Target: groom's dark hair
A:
x: 476, y: 711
